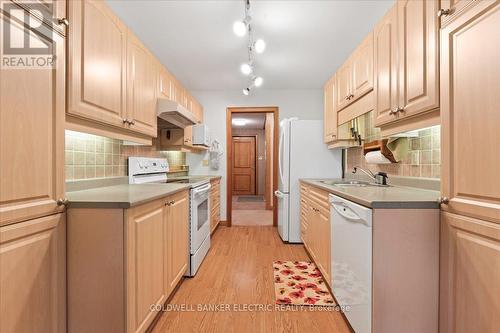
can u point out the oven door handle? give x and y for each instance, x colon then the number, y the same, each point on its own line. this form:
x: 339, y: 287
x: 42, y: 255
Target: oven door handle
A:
x: 202, y: 189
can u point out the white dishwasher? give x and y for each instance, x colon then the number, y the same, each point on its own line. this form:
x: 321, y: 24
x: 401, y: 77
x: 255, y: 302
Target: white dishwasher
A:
x: 352, y: 261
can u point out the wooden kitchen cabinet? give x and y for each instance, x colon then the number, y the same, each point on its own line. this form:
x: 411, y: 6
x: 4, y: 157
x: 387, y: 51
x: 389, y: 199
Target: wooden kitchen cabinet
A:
x: 132, y: 260
x: 142, y: 72
x: 43, y: 9
x: 315, y: 217
x: 330, y: 111
x: 470, y: 85
x: 32, y: 132
x: 33, y: 275
x: 470, y: 275
x: 145, y: 255
x: 386, y: 67
x: 214, y: 204
x: 97, y: 64
x: 407, y: 67
x: 355, y: 77
x: 176, y: 216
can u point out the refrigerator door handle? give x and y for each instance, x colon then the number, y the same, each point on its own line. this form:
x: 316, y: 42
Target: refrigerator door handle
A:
x: 278, y: 194
x: 280, y: 162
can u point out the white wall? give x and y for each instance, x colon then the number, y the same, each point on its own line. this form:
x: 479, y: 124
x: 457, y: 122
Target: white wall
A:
x: 305, y: 104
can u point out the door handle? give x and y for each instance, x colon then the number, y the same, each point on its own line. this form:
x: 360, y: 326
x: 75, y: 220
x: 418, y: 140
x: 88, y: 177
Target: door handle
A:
x: 278, y: 194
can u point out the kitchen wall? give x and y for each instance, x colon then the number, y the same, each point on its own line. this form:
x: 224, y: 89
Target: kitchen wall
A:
x: 423, y: 159
x: 305, y: 104
x: 261, y: 154
x: 91, y: 156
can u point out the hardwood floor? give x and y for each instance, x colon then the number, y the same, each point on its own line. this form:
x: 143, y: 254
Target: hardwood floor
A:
x: 238, y: 271
x: 250, y: 213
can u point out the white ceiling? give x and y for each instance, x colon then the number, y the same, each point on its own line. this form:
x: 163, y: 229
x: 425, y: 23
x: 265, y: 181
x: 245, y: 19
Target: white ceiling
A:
x: 254, y: 120
x: 306, y: 40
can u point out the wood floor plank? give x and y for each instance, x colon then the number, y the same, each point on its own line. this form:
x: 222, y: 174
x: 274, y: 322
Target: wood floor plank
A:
x: 237, y: 271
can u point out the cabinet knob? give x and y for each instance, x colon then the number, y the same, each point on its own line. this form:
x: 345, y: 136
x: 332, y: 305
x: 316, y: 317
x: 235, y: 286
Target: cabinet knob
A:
x: 62, y: 202
x: 125, y: 121
x: 63, y: 21
x: 444, y: 12
x: 444, y: 200
x: 400, y: 110
x: 393, y: 111
x: 131, y: 122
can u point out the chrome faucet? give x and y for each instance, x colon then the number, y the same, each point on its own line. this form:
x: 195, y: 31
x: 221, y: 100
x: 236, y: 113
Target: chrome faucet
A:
x: 380, y: 178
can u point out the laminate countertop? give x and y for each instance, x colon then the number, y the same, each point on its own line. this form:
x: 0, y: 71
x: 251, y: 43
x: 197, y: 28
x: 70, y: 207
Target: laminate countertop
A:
x: 381, y: 197
x: 123, y: 195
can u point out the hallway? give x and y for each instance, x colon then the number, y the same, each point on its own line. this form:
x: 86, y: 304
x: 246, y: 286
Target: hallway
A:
x: 238, y: 270
x: 250, y: 211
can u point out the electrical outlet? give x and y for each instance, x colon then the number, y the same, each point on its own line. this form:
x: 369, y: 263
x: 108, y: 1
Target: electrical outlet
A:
x: 205, y: 162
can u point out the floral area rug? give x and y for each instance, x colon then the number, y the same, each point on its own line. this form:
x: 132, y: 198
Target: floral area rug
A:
x: 300, y: 283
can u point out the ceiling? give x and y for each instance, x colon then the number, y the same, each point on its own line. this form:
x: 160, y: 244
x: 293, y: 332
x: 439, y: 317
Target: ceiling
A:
x: 306, y: 40
x: 253, y: 120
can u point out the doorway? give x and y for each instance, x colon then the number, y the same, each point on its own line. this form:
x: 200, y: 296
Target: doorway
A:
x: 252, y: 136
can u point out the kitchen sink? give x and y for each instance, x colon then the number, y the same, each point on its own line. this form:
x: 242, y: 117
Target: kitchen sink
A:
x: 350, y: 183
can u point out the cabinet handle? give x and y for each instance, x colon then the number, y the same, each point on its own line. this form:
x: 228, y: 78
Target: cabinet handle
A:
x: 172, y: 202
x: 444, y: 200
x: 400, y: 110
x: 351, y: 96
x: 125, y: 121
x: 131, y: 122
x: 62, y: 202
x: 393, y: 111
x: 444, y: 12
x: 63, y: 21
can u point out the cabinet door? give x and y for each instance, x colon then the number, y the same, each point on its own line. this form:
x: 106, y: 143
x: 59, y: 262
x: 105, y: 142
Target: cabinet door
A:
x: 362, y: 68
x: 470, y: 275
x: 33, y: 275
x: 418, y: 29
x: 455, y: 8
x: 386, y: 68
x: 470, y: 86
x: 165, y: 84
x: 177, y: 222
x: 97, y: 63
x: 330, y: 111
x: 142, y: 74
x: 31, y: 132
x: 343, y: 86
x: 324, y: 245
x: 145, y: 263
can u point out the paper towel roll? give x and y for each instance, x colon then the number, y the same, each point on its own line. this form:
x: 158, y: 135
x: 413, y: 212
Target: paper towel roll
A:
x: 376, y: 157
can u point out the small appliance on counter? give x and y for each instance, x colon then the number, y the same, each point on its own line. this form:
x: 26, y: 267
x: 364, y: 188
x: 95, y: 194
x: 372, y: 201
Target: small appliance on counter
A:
x: 201, y: 135
x: 143, y: 170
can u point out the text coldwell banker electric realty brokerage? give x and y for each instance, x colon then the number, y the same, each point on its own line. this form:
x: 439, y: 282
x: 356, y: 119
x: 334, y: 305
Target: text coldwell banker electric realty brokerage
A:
x: 244, y: 308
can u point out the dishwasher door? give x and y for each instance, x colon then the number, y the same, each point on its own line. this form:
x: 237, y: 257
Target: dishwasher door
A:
x: 352, y: 261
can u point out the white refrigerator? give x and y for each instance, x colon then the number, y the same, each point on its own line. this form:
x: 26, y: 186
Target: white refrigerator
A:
x: 302, y: 154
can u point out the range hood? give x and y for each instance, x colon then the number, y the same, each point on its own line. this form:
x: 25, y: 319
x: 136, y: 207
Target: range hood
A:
x: 174, y: 113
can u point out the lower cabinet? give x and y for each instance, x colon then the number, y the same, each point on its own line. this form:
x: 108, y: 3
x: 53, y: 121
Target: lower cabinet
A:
x: 33, y: 275
x: 123, y: 271
x: 470, y: 275
x: 315, y: 221
x: 214, y: 204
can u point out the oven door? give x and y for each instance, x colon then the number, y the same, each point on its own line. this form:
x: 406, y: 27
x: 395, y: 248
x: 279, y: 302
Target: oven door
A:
x: 200, y: 216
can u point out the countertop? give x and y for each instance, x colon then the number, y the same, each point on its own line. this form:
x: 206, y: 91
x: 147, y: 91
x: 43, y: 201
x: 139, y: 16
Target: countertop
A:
x: 391, y: 197
x: 128, y: 195
x: 122, y: 196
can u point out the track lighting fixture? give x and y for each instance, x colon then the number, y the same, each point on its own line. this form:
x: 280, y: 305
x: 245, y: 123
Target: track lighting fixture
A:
x: 241, y: 28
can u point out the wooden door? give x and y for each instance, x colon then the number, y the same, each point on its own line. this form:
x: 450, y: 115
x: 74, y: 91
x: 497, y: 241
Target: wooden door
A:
x: 177, y: 238
x: 343, y: 86
x: 330, y: 111
x: 33, y: 275
x: 145, y: 263
x: 386, y: 68
x: 470, y: 86
x: 244, y: 150
x: 418, y: 29
x: 97, y: 64
x: 141, y: 87
x: 32, y: 103
x: 362, y: 68
x: 470, y: 275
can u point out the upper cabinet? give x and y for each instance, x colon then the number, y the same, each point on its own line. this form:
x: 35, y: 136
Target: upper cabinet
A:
x: 142, y: 70
x: 97, y: 64
x: 113, y: 79
x: 330, y: 111
x: 470, y: 86
x: 406, y: 66
x: 31, y: 130
x: 355, y: 77
x: 386, y: 69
